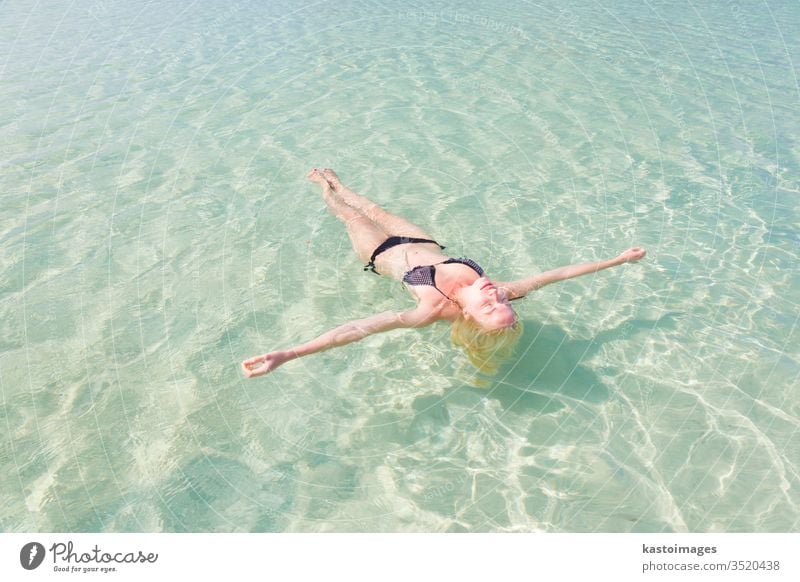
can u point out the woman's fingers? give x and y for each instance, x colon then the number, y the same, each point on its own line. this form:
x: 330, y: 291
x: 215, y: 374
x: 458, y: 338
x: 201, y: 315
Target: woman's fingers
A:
x: 633, y: 254
x: 251, y: 371
x: 251, y: 367
x: 254, y: 360
x: 260, y: 365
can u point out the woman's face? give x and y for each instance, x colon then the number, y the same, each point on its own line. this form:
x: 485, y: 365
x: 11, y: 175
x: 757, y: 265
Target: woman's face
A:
x: 487, y: 305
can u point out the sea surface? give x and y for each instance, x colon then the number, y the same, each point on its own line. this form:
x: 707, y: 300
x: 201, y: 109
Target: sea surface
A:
x: 157, y: 227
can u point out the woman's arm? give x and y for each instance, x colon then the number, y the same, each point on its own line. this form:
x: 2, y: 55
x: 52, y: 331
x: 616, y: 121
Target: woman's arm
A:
x: 522, y: 287
x: 344, y: 334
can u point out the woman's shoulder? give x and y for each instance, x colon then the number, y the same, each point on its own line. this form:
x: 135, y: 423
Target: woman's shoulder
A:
x: 438, y: 307
x: 426, y: 313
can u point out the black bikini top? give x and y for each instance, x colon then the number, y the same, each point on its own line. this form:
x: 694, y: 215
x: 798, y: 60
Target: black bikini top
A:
x: 426, y: 274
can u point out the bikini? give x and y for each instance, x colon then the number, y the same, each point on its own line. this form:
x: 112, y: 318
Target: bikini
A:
x: 422, y: 274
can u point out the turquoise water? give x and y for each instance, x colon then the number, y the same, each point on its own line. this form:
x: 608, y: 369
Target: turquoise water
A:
x: 157, y: 228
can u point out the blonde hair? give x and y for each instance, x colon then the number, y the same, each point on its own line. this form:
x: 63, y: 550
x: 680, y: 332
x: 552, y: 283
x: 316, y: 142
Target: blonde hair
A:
x: 485, y: 349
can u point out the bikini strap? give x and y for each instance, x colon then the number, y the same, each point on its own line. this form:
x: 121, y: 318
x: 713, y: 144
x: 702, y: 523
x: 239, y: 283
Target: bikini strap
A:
x: 433, y: 283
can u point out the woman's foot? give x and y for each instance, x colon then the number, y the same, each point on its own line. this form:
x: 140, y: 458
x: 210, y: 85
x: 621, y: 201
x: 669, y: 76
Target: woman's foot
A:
x: 332, y: 178
x: 315, y: 175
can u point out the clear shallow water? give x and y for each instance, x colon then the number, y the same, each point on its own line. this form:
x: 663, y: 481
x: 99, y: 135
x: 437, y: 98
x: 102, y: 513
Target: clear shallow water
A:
x: 157, y: 228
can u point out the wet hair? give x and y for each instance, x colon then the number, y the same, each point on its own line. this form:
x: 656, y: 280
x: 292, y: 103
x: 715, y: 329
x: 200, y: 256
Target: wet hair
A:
x: 487, y: 350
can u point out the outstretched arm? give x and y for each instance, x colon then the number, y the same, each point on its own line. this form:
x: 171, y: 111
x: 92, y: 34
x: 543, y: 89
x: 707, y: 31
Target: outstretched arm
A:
x: 522, y: 287
x: 350, y: 332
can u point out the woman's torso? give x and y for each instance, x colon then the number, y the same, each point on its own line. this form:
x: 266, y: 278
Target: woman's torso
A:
x: 397, y: 261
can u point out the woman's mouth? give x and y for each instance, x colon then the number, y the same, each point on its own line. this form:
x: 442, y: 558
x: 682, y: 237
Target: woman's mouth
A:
x: 487, y: 284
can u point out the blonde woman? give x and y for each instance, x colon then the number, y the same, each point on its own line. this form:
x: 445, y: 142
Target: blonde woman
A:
x: 452, y: 289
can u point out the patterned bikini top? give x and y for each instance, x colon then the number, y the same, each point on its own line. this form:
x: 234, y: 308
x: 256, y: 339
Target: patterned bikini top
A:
x: 426, y: 274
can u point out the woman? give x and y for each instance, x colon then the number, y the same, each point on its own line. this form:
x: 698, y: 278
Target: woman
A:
x: 457, y: 290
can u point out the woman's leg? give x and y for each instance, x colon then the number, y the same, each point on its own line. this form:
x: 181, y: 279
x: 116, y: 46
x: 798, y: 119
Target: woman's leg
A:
x: 364, y: 234
x: 390, y: 223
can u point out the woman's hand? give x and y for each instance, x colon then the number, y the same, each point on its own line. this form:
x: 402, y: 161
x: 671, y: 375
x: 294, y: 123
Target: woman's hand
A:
x: 632, y: 255
x: 260, y: 365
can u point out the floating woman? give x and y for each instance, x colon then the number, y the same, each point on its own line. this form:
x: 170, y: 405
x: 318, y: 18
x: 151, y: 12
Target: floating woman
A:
x: 454, y: 289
